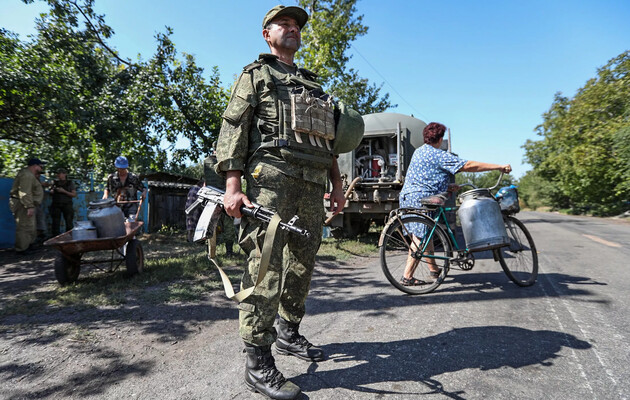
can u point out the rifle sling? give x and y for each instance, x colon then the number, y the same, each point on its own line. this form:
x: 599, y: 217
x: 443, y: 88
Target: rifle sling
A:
x: 262, y: 270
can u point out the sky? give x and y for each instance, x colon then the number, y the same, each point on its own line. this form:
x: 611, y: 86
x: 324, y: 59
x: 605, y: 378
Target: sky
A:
x: 487, y: 69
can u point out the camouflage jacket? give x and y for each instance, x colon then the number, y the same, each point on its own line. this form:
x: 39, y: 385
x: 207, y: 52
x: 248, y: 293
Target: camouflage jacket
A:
x: 240, y: 138
x: 27, y: 188
x: 127, y: 190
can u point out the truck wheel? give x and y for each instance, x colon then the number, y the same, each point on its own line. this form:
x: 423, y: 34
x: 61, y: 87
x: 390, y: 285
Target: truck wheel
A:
x: 134, y: 257
x: 354, y: 226
x: 67, y: 270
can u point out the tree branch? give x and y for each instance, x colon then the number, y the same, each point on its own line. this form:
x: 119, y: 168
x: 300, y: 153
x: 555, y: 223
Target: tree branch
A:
x: 98, y: 37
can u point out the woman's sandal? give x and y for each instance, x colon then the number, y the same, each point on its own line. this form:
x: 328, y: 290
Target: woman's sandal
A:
x: 411, y: 282
x: 435, y: 274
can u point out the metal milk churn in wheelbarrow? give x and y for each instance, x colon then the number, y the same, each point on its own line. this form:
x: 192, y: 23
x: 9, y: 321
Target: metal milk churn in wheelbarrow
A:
x: 108, y: 219
x: 84, y: 230
x: 481, y: 220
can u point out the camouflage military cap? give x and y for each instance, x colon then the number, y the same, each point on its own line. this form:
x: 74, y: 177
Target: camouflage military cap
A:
x: 294, y: 12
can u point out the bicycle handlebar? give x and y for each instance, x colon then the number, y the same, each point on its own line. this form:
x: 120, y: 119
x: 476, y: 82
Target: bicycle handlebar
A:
x: 490, y: 188
x: 498, y: 182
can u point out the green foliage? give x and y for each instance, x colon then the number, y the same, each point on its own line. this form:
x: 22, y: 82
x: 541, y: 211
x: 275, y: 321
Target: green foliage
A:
x: 583, y: 153
x: 68, y: 97
x: 326, y: 40
x: 483, y: 180
x: 535, y: 192
x: 621, y: 149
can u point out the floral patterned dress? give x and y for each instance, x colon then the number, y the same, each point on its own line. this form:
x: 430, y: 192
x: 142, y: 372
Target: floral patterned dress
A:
x: 428, y: 174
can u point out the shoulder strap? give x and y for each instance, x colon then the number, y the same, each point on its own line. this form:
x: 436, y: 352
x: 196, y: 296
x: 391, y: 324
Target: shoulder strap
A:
x: 310, y: 75
x: 250, y: 67
x: 262, y: 269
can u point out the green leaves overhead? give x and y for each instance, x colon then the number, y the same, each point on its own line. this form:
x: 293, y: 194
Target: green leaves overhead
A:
x: 68, y: 97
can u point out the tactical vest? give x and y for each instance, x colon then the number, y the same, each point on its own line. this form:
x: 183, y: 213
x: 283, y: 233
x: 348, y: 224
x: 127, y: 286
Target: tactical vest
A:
x: 303, y: 127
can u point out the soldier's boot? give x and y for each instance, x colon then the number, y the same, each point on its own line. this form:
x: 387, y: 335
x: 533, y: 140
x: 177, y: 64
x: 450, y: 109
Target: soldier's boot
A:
x: 262, y: 376
x: 290, y: 342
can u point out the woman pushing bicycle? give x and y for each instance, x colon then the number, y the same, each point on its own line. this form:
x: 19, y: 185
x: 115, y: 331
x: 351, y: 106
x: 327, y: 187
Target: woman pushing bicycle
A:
x: 429, y: 174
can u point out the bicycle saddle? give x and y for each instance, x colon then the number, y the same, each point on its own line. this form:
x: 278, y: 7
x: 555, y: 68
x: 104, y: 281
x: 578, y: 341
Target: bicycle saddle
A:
x: 436, y: 200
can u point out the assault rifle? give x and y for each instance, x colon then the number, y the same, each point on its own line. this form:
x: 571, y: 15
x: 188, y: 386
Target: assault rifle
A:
x: 211, y: 199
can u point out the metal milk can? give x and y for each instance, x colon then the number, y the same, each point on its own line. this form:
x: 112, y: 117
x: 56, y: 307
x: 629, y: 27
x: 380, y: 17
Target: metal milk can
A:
x: 84, y: 230
x: 481, y: 220
x: 108, y: 219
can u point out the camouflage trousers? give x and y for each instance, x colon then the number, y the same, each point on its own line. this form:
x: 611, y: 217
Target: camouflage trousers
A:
x: 287, y: 282
x: 25, y: 226
x: 225, y: 230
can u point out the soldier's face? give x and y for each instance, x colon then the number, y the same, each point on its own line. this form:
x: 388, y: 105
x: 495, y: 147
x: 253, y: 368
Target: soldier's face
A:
x: 283, y: 33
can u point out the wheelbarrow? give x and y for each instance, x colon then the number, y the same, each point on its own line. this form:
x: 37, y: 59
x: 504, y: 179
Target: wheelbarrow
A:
x: 68, y: 260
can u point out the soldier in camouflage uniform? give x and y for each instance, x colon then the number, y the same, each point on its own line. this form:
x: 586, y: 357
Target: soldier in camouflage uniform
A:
x: 284, y: 170
x: 26, y: 195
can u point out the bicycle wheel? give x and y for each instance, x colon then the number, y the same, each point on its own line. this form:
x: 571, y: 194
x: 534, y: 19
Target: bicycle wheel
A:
x: 400, y: 249
x: 519, y: 260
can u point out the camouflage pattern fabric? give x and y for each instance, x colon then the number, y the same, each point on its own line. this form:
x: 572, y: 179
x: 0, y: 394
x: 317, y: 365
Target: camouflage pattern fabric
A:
x: 252, y: 118
x: 287, y: 282
x: 275, y: 181
x: 26, y: 192
x: 125, y: 191
x: 210, y: 175
x: 226, y: 232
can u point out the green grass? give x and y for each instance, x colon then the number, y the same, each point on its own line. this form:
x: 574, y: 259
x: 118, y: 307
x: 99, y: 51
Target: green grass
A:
x: 174, y: 271
x: 343, y: 249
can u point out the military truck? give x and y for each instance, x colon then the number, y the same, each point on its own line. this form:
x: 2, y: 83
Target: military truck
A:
x: 373, y: 174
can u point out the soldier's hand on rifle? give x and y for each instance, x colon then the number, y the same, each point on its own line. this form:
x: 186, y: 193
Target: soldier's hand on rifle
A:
x: 234, y: 198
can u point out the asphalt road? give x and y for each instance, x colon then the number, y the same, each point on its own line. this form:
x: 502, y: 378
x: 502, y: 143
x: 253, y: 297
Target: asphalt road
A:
x: 478, y: 336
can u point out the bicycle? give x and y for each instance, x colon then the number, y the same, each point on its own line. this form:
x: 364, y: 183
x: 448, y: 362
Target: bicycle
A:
x: 431, y: 255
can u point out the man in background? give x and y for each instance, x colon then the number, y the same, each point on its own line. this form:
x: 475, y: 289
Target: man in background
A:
x: 26, y: 195
x: 62, y: 191
x: 124, y: 186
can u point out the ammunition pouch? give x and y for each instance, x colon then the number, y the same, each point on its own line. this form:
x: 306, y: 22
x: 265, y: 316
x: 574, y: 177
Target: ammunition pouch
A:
x: 312, y: 112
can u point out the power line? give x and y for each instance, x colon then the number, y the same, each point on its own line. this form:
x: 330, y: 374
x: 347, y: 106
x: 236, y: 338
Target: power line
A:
x: 387, y: 82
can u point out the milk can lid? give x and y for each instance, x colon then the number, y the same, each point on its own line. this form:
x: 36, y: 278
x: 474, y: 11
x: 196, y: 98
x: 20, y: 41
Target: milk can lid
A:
x: 475, y: 194
x: 103, y: 203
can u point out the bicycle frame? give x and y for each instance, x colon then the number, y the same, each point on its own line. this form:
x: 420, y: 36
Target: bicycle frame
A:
x: 439, y: 219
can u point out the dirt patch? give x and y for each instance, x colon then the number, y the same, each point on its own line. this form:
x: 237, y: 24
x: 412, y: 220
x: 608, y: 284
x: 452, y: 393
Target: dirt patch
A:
x: 82, y: 351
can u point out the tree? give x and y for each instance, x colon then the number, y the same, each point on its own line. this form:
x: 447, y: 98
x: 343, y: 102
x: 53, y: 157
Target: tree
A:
x: 582, y: 148
x: 326, y: 40
x: 535, y: 192
x: 67, y: 96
